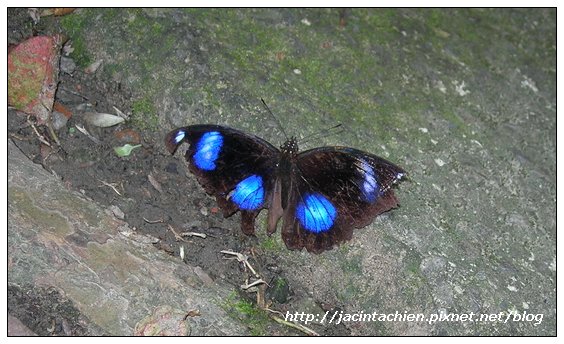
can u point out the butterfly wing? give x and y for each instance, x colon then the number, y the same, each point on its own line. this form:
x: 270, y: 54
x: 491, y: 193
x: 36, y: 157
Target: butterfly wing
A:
x: 333, y: 191
x: 237, y: 168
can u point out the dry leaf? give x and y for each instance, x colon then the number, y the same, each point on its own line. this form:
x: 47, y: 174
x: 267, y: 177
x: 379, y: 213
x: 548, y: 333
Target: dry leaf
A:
x: 57, y: 11
x: 103, y: 120
x: 33, y: 70
x: 93, y: 67
x: 155, y: 183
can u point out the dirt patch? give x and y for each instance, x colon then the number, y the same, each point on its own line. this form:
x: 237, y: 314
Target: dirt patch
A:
x: 149, y: 188
x: 48, y: 313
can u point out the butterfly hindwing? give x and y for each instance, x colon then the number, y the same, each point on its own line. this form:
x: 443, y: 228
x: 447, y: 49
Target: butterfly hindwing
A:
x: 237, y: 168
x: 336, y: 189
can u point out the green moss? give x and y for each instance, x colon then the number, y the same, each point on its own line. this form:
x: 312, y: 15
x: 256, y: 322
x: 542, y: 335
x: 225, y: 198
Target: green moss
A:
x: 247, y: 312
x: 348, y: 292
x: 270, y: 243
x: 144, y: 114
x: 211, y: 98
x: 378, y: 25
x: 111, y: 69
x: 356, y: 74
x: 352, y: 264
x: 280, y: 283
x: 412, y: 262
x: 73, y: 25
x: 434, y: 18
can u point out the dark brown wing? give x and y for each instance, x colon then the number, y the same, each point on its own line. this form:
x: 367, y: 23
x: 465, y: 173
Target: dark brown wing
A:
x: 237, y: 168
x: 336, y: 189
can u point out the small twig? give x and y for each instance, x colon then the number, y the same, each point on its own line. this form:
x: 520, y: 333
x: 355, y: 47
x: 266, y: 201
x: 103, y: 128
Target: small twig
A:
x: 261, y: 296
x: 274, y: 311
x: 121, y: 114
x: 243, y: 259
x: 51, y: 152
x: 153, y: 221
x: 299, y: 327
x: 73, y: 92
x: 177, y: 236
x: 111, y: 185
x: 85, y: 132
x: 41, y: 138
x: 262, y: 285
x: 20, y: 137
x: 52, y: 133
x: 191, y: 234
x: 257, y: 282
x: 48, y: 124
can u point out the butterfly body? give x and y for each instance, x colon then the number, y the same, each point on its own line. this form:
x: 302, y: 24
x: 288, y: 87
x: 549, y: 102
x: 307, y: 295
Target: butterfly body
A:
x: 321, y: 194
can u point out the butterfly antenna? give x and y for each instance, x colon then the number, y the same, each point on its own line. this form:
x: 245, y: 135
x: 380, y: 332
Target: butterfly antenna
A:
x: 275, y: 118
x: 336, y: 129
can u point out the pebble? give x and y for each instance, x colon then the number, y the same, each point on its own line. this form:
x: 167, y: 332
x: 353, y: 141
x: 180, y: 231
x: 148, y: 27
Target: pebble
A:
x: 67, y: 65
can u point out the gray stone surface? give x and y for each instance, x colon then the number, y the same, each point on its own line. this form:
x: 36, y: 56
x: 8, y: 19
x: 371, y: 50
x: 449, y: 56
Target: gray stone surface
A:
x: 16, y: 328
x: 121, y: 284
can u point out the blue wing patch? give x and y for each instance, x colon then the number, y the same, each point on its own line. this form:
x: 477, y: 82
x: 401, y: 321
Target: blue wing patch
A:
x: 316, y: 213
x: 207, y: 149
x: 249, y: 193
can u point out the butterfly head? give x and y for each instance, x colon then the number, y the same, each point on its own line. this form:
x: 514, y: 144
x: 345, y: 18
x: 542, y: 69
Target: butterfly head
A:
x: 290, y: 147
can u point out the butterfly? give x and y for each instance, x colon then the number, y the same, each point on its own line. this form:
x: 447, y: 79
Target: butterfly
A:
x: 322, y: 194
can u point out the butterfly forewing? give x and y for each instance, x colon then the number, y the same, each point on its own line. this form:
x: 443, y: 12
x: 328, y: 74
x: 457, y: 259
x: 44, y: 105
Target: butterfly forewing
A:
x: 238, y: 169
